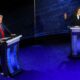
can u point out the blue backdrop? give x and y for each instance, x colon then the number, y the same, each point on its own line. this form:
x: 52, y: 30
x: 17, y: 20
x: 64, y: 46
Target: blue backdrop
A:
x: 49, y: 15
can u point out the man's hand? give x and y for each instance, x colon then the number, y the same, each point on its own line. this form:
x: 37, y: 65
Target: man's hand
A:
x: 13, y: 35
x: 65, y: 16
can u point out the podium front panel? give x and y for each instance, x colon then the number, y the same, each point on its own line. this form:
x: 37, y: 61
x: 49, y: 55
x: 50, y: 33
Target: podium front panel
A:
x: 12, y: 58
x: 75, y: 41
x: 9, y: 56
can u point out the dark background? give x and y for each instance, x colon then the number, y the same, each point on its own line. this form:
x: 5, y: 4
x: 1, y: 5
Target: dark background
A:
x: 49, y: 15
x: 18, y: 16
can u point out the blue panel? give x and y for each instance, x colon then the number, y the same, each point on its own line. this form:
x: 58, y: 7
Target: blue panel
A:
x: 74, y: 45
x: 9, y: 61
x: 12, y: 61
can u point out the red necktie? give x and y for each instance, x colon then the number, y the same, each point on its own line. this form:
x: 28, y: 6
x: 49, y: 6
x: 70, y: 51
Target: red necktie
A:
x: 1, y: 31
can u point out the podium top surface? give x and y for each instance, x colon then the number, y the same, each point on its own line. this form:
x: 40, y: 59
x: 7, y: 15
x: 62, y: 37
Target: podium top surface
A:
x: 13, y: 40
x: 75, y: 27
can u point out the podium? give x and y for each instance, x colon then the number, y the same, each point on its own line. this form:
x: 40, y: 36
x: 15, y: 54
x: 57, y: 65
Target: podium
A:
x: 9, y: 50
x: 75, y: 41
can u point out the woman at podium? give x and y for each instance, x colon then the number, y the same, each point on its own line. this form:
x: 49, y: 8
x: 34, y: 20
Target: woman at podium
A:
x: 3, y: 29
x: 4, y: 32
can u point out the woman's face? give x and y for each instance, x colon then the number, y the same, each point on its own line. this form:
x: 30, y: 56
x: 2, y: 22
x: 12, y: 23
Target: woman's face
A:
x: 78, y: 12
x: 1, y: 19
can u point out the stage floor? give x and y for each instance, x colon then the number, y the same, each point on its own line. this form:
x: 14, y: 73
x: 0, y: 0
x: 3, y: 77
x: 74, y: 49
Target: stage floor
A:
x: 47, y: 62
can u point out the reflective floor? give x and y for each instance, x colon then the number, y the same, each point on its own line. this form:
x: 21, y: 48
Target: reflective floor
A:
x: 47, y: 62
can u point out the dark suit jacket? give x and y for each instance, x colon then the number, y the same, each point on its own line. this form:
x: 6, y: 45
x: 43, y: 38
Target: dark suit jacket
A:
x: 6, y: 31
x: 73, y: 21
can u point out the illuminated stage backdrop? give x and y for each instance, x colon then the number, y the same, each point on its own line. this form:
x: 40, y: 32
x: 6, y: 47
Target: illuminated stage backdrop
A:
x: 49, y: 15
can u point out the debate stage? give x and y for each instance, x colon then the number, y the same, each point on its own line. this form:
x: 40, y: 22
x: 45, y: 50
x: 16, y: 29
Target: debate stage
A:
x: 47, y: 59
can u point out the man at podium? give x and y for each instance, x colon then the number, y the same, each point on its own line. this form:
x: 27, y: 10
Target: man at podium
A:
x: 3, y: 29
x: 74, y: 24
x: 74, y: 20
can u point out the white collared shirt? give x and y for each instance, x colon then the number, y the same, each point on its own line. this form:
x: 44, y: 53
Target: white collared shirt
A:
x: 78, y: 17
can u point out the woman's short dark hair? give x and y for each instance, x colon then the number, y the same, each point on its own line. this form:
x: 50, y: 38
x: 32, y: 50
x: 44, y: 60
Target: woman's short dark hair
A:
x: 1, y: 15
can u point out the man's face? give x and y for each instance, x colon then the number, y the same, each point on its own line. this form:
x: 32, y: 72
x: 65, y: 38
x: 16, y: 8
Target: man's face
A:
x: 78, y: 11
x: 1, y: 19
